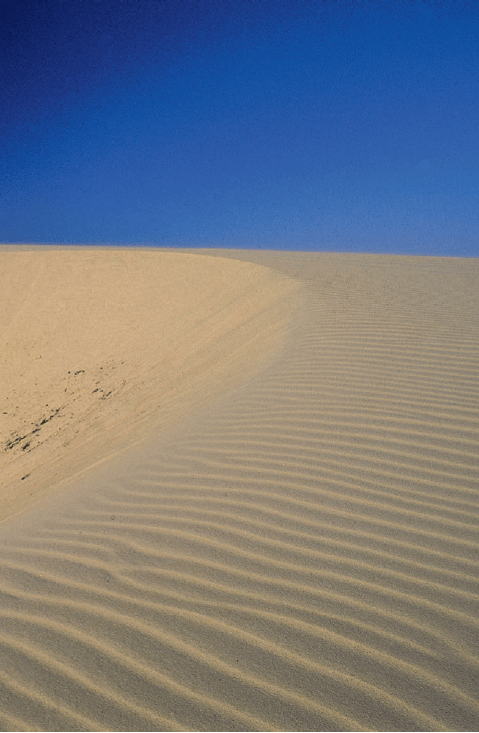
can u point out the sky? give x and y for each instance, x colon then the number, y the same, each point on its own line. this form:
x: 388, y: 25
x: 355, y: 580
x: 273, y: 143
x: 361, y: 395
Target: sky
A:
x: 304, y: 125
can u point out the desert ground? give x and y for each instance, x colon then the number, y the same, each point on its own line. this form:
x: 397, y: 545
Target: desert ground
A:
x: 239, y: 490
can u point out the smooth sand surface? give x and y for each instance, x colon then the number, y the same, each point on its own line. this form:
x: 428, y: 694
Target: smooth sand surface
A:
x: 239, y: 491
x: 102, y: 347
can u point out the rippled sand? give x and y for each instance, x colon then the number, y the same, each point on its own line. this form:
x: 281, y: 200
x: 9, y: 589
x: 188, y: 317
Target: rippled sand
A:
x: 239, y: 491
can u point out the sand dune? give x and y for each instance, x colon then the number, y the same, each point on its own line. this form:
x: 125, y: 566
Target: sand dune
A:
x: 293, y: 543
x: 101, y: 347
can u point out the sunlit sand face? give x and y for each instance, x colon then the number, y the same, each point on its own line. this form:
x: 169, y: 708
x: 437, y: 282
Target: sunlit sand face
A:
x: 99, y: 347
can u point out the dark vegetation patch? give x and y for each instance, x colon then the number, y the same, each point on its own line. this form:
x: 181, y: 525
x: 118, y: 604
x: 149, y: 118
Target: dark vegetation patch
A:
x: 16, y: 439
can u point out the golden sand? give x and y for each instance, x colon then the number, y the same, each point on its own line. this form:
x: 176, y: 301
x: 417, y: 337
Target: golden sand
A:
x: 239, y: 491
x: 98, y: 348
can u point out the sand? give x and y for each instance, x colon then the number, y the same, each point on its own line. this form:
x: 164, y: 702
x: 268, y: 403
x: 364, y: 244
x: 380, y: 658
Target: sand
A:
x: 238, y: 490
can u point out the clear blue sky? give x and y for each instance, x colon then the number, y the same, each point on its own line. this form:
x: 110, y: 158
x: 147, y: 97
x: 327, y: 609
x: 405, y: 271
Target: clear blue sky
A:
x: 301, y: 125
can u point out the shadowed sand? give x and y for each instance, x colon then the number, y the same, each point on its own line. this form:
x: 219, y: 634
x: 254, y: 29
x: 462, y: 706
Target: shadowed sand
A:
x: 239, y: 491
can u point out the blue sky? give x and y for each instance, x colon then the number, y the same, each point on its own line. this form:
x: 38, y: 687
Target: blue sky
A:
x: 283, y: 125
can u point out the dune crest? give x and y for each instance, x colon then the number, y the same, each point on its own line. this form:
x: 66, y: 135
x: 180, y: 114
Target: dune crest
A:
x: 100, y: 347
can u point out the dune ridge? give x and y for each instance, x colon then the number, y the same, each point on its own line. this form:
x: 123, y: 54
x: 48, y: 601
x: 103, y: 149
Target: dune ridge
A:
x: 99, y: 347
x: 299, y: 552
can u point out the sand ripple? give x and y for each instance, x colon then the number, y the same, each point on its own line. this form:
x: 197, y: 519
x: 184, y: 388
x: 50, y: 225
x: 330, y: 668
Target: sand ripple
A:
x: 301, y: 554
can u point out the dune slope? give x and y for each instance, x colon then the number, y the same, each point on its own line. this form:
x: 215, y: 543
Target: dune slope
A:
x: 100, y: 347
x: 300, y: 552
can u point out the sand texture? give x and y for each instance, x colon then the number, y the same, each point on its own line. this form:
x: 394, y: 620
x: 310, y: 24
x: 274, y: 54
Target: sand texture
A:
x: 100, y: 348
x: 267, y: 516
